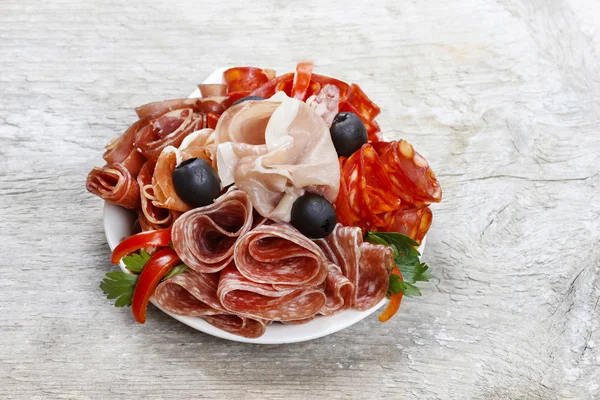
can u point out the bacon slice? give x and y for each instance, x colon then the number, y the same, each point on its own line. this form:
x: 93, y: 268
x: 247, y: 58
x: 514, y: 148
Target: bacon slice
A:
x: 264, y: 301
x: 195, y: 294
x: 204, y: 238
x: 278, y: 254
x: 115, y: 184
x: 367, y: 266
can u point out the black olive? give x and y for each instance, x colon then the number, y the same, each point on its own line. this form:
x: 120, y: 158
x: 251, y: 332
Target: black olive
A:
x: 348, y: 133
x: 313, y: 216
x: 243, y: 99
x: 196, y: 182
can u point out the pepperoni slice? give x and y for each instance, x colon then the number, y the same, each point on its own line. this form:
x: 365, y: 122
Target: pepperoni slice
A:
x: 360, y: 104
x: 412, y: 222
x: 244, y: 79
x: 326, y: 80
x: 301, y: 80
x: 280, y: 83
x: 410, y: 174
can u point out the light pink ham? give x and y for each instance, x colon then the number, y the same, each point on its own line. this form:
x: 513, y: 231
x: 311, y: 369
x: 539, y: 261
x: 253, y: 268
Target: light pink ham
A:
x: 195, y: 294
x: 326, y: 104
x: 263, y: 301
x: 115, y: 184
x: 278, y: 254
x: 154, y: 216
x: 275, y: 150
x: 204, y: 237
x: 366, y: 265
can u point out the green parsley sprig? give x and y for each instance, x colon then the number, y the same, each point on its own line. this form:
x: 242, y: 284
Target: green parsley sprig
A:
x: 121, y: 285
x: 406, y: 257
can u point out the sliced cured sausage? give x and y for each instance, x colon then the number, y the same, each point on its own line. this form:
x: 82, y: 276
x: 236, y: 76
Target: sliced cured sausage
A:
x: 195, y: 294
x: 264, y: 301
x: 115, y: 184
x: 278, y: 254
x: 204, y: 237
x: 366, y: 265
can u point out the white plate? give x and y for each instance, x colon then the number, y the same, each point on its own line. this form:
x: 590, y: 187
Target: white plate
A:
x: 118, y: 224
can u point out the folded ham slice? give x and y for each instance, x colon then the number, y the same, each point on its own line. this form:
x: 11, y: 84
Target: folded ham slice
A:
x: 263, y: 301
x: 275, y: 150
x: 367, y: 266
x: 115, y: 184
x: 204, y: 237
x: 195, y: 294
x: 154, y: 216
x: 278, y: 254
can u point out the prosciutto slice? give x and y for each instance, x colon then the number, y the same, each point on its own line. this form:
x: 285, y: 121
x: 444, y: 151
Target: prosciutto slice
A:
x: 195, y: 294
x: 275, y: 150
x: 204, y: 238
x: 258, y: 300
x: 198, y: 144
x: 154, y: 216
x: 367, y: 266
x: 168, y: 130
x: 278, y: 254
x: 115, y: 184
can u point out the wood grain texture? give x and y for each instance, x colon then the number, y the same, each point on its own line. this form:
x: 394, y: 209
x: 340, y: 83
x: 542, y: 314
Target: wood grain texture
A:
x: 502, y: 97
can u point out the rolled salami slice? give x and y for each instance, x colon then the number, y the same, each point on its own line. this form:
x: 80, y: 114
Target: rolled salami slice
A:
x: 204, y: 237
x: 263, y: 301
x: 366, y: 265
x: 195, y: 294
x: 278, y: 254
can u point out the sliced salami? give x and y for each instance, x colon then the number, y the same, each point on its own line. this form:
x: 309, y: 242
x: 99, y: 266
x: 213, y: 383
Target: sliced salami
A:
x: 278, y: 254
x: 263, y: 301
x: 204, y: 237
x: 366, y: 265
x: 195, y: 295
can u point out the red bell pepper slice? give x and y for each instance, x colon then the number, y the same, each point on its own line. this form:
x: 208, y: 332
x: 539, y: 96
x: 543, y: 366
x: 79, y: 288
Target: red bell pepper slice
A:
x: 154, y: 270
x: 394, y: 304
x: 157, y: 238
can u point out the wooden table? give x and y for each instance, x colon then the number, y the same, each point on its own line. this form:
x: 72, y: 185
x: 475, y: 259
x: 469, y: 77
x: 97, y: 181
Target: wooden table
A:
x: 502, y: 97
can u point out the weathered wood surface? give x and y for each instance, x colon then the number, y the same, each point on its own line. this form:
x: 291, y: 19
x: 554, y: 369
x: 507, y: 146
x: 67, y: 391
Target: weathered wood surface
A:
x: 503, y: 98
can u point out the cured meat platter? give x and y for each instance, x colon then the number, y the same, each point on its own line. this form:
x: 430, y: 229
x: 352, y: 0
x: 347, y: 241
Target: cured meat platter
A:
x: 264, y: 209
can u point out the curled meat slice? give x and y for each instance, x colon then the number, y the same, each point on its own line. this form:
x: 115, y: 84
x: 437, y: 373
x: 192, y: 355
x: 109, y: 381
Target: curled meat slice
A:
x: 212, y: 89
x: 301, y: 80
x: 278, y: 254
x: 122, y: 150
x: 326, y: 103
x: 154, y: 216
x: 264, y: 301
x: 198, y: 144
x: 115, y: 184
x: 366, y: 265
x: 358, y: 103
x: 195, y: 295
x: 338, y: 291
x: 412, y: 178
x: 168, y: 130
x: 412, y: 222
x: 158, y: 108
x: 204, y: 238
x: 281, y: 83
x: 244, y: 79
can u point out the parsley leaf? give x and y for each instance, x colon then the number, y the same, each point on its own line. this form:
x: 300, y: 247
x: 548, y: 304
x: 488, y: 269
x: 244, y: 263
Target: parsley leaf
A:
x: 398, y: 286
x: 406, y: 257
x: 136, y: 262
x: 119, y: 285
x: 176, y: 270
